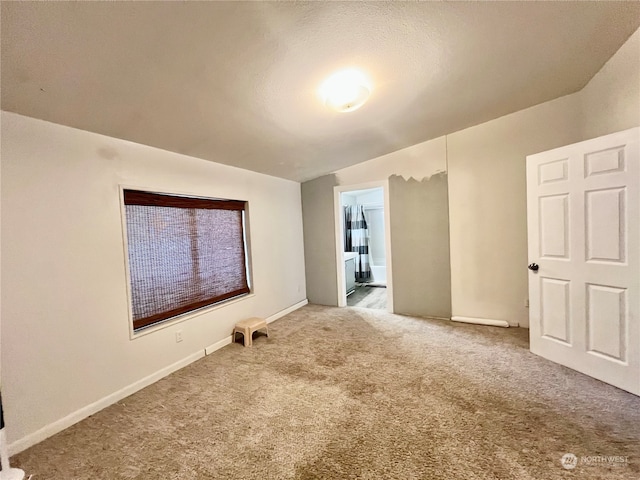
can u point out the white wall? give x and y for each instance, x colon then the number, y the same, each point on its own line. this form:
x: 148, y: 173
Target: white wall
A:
x: 64, y: 312
x: 610, y: 102
x: 375, y: 224
x: 371, y: 197
x: 65, y: 332
x: 346, y: 199
x: 488, y: 211
x: 487, y: 194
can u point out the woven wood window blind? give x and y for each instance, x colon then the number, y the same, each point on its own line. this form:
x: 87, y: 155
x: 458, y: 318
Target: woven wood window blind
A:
x: 184, y: 253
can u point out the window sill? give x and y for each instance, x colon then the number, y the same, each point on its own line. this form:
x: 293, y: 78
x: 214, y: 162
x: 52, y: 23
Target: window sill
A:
x: 184, y: 317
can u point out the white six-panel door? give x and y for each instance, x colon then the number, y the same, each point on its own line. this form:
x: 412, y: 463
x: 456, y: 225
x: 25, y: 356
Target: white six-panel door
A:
x: 583, y: 213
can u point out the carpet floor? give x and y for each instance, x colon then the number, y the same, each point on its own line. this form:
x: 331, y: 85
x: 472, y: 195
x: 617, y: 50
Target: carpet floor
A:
x: 358, y: 394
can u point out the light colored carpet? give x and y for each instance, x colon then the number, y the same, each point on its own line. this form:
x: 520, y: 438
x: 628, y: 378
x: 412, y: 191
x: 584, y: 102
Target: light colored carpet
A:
x: 357, y: 394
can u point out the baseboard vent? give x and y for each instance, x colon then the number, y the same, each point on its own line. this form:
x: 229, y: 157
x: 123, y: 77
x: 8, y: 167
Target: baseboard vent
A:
x: 218, y: 345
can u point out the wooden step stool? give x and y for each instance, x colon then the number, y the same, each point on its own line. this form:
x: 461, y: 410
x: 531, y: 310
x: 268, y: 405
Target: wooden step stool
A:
x: 247, y: 327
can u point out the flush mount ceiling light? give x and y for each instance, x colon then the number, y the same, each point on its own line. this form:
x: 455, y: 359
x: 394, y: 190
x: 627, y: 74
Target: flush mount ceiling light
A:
x: 346, y: 90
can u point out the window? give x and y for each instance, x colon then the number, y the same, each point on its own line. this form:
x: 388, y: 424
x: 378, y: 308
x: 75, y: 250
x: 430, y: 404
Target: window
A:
x: 184, y: 253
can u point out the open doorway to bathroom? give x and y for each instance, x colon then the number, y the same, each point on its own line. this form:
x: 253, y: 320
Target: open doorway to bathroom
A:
x: 363, y: 247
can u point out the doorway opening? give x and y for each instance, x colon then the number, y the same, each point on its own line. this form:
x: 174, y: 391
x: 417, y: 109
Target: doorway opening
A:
x: 363, y: 246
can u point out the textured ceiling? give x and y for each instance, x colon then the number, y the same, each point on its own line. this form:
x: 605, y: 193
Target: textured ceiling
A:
x: 236, y: 82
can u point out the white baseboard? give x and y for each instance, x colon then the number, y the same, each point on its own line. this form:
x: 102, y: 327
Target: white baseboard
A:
x: 226, y: 341
x: 287, y: 311
x: 74, y: 417
x: 482, y: 321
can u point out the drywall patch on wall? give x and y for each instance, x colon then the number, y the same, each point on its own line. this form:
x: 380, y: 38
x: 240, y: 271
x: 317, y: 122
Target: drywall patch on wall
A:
x: 418, y: 161
x: 107, y: 153
x: 319, y: 240
x: 420, y: 245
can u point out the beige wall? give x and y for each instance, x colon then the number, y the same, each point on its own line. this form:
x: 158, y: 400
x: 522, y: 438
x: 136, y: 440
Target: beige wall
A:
x: 418, y: 234
x: 487, y: 195
x: 319, y: 240
x: 610, y: 102
x: 487, y: 206
x: 65, y: 326
x: 64, y: 303
x: 486, y: 173
x: 420, y: 246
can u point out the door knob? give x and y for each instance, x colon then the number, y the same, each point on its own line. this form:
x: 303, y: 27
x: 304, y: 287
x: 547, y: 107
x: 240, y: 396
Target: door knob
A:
x: 533, y: 266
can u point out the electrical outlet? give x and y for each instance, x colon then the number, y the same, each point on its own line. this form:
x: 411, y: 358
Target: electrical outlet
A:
x: 178, y: 336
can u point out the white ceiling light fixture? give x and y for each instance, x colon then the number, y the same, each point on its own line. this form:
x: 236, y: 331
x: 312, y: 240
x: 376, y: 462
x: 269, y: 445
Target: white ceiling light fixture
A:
x: 346, y: 90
